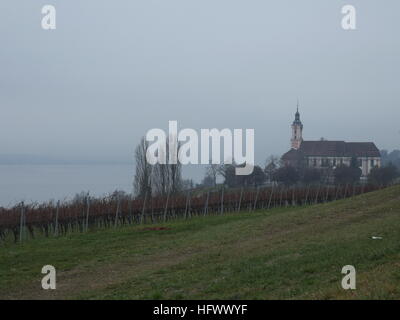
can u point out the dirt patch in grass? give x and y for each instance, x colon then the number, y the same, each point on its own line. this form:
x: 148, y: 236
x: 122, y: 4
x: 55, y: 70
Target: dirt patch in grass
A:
x: 156, y: 228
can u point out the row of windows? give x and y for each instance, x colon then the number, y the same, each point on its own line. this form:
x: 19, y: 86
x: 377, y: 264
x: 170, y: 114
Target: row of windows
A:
x: 335, y: 162
x: 327, y: 162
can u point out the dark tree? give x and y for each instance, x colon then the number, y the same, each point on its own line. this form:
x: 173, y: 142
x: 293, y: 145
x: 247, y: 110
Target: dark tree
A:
x: 391, y: 158
x: 228, y: 171
x: 119, y: 194
x: 208, y: 181
x: 287, y: 175
x: 256, y: 178
x: 344, y: 174
x: 384, y: 175
x: 311, y: 176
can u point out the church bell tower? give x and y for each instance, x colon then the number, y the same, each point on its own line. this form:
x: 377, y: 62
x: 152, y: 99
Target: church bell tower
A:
x: 297, y: 130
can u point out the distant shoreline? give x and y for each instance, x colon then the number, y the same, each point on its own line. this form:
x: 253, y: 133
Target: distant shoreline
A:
x: 64, y: 163
x: 48, y: 160
x: 43, y: 182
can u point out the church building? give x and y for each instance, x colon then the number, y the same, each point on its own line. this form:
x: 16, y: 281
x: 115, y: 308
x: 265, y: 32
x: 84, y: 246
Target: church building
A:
x: 324, y: 154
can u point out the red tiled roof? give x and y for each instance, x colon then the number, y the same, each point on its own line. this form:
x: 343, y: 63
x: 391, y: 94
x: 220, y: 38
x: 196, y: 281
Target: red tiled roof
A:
x: 323, y: 148
x: 326, y: 148
x: 362, y: 149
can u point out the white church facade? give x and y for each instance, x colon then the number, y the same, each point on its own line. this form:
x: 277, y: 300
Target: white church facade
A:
x: 329, y: 154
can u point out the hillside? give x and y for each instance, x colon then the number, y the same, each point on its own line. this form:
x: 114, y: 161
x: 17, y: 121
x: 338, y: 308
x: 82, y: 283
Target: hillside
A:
x: 283, y: 253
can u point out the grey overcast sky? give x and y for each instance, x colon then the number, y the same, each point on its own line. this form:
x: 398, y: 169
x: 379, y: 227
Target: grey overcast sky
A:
x: 114, y: 69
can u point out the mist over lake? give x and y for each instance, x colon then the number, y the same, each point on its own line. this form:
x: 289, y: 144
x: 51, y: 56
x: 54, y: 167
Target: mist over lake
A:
x: 45, y: 182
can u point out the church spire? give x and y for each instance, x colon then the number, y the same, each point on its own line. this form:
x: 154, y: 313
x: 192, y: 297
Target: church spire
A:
x: 297, y: 115
x: 297, y: 130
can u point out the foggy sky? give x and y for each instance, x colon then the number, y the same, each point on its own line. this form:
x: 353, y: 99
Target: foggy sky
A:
x: 115, y: 69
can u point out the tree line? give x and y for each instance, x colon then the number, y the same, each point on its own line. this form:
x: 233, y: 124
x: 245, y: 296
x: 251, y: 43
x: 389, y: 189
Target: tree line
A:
x: 276, y: 172
x: 166, y: 179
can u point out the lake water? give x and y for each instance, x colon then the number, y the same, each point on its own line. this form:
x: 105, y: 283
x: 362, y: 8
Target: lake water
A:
x: 45, y: 182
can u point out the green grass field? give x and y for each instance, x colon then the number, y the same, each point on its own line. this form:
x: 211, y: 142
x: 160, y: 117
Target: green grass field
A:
x: 285, y: 253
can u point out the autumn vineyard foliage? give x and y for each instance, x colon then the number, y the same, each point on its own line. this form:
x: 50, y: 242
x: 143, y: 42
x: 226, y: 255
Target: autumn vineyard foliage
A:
x: 25, y: 221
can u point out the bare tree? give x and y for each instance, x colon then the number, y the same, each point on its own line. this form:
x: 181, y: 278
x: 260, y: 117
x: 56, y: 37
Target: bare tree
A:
x: 270, y: 167
x: 167, y: 178
x: 143, y: 174
x: 175, y: 170
x: 212, y: 171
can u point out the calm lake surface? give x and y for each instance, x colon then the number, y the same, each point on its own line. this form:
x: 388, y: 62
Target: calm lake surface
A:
x: 45, y: 182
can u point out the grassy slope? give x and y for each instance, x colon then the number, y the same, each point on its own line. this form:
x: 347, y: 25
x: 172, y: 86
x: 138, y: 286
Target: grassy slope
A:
x: 282, y: 253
